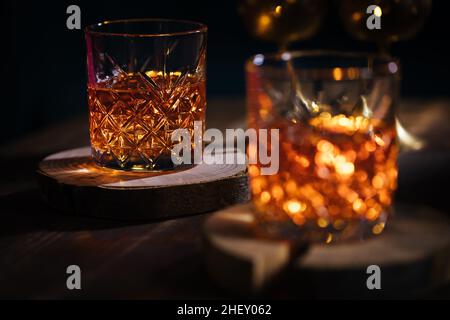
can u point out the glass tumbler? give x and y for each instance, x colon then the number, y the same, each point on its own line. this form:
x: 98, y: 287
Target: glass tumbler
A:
x: 337, y: 142
x: 146, y: 78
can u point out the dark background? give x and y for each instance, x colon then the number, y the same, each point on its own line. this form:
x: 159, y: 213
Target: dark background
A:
x: 45, y: 74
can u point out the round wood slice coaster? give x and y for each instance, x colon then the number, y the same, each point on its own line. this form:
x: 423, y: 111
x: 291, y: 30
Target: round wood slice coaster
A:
x: 413, y: 254
x: 70, y: 181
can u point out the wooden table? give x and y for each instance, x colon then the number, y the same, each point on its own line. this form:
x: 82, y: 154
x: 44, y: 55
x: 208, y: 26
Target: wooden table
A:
x: 161, y: 259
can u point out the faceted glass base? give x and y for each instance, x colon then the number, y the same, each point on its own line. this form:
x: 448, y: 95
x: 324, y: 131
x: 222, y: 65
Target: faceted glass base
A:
x: 108, y: 160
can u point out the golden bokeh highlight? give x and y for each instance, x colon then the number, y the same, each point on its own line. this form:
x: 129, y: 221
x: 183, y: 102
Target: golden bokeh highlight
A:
x: 278, y: 11
x: 337, y: 74
x: 264, y: 23
x: 343, y: 169
x: 377, y: 11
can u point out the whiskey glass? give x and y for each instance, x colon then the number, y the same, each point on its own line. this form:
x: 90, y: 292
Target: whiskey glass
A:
x: 146, y: 78
x: 337, y: 142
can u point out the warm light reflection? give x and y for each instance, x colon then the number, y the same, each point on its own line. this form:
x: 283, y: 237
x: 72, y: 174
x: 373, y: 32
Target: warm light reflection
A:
x: 378, y: 228
x: 340, y: 123
x: 277, y: 11
x: 377, y: 11
x: 339, y: 168
x: 407, y: 140
x: 357, y: 16
x: 329, y: 238
x: 337, y: 74
x: 264, y: 23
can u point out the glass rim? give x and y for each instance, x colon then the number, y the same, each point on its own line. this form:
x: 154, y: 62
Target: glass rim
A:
x: 197, y: 28
x: 386, y: 64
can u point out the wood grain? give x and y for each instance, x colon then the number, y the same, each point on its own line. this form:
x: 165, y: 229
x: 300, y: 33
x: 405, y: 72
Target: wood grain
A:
x: 71, y: 182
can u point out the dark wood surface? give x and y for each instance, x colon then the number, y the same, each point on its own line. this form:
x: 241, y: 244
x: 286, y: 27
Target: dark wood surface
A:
x: 162, y: 259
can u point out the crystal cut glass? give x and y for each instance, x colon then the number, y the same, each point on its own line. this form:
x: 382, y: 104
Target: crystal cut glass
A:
x: 146, y: 78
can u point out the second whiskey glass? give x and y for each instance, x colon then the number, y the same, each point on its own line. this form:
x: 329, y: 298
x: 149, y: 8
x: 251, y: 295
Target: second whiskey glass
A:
x: 338, y: 153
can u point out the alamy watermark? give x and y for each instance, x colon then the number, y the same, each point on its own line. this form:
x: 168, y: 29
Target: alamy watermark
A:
x: 73, y: 21
x: 73, y: 281
x: 374, y: 20
x: 263, y: 147
x: 374, y: 280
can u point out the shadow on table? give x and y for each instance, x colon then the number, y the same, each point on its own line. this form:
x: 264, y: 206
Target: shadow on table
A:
x: 25, y: 211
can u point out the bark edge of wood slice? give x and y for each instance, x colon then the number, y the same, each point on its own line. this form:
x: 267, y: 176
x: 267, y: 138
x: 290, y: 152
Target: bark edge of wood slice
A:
x: 72, y: 183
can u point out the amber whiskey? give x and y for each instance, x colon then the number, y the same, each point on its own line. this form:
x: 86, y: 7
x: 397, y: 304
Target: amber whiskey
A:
x: 335, y: 172
x: 132, y: 117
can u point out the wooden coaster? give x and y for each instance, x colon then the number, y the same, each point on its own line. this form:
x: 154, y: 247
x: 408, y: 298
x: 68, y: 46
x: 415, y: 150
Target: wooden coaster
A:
x: 413, y: 254
x: 70, y: 181
x: 239, y: 257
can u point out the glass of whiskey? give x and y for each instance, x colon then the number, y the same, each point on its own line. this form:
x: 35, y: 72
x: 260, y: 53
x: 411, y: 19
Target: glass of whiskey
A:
x: 146, y: 79
x: 337, y: 142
